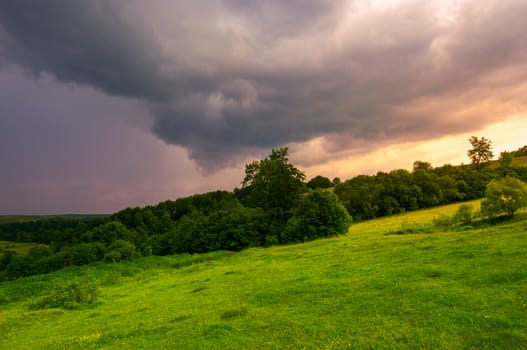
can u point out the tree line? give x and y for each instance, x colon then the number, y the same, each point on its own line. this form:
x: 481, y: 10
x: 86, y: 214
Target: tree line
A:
x: 274, y: 205
x: 398, y: 191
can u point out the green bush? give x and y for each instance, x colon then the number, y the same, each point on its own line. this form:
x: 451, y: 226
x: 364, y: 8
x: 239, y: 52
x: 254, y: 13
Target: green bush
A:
x: 443, y: 221
x: 69, y: 296
x: 120, y: 250
x: 463, y: 214
x: 319, y: 214
x: 505, y: 195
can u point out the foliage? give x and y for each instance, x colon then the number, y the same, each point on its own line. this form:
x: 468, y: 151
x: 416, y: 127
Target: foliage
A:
x: 420, y: 291
x: 371, y: 196
x: 319, y: 182
x: 505, y: 195
x: 336, y: 181
x: 481, y: 151
x: 319, y: 214
x: 109, y: 233
x: 120, y: 250
x: 520, y: 152
x: 69, y: 296
x: 233, y: 229
x: 274, y: 185
x: 506, y: 159
x: 261, y: 213
x: 420, y: 165
x: 443, y: 221
x: 463, y: 214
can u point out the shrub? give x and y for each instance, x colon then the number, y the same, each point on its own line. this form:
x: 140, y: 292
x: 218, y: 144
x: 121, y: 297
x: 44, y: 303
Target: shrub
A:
x: 414, y: 227
x: 120, y: 250
x: 87, y: 253
x: 505, y: 195
x: 463, y: 214
x: 443, y: 221
x: 319, y: 214
x: 69, y: 296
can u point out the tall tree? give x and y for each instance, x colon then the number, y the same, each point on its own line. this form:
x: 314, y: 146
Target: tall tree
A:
x: 274, y: 185
x: 481, y: 151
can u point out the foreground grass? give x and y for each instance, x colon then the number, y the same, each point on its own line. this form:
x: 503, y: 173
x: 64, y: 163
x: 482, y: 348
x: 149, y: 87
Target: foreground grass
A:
x: 370, y: 289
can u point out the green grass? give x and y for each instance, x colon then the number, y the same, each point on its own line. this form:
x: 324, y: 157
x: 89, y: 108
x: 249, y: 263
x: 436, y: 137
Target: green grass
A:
x: 516, y: 162
x: 520, y: 161
x: 369, y: 289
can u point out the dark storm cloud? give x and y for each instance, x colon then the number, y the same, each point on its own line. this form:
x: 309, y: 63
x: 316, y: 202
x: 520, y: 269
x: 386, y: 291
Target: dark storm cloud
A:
x: 84, y: 42
x: 221, y: 77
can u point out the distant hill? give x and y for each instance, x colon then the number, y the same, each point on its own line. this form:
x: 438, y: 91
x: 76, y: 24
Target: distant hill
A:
x: 6, y: 219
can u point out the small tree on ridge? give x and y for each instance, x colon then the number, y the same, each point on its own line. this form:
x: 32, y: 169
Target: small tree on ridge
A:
x: 481, y: 151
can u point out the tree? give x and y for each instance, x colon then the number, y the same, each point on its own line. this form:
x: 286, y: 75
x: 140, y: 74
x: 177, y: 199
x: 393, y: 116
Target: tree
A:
x: 319, y: 214
x: 481, y: 151
x: 420, y: 165
x: 319, y: 182
x: 274, y: 185
x: 505, y: 195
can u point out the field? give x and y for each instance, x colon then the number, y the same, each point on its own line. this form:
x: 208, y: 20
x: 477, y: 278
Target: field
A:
x: 516, y: 162
x: 373, y: 288
x: 520, y: 161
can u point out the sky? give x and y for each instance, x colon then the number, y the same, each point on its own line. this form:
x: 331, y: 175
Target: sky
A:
x: 106, y: 104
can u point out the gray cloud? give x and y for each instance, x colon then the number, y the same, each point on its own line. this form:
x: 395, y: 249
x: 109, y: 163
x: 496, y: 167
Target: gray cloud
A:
x: 85, y: 42
x: 224, y: 77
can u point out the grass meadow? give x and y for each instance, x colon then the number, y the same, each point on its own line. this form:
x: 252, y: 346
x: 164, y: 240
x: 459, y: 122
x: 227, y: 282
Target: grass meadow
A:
x: 374, y: 288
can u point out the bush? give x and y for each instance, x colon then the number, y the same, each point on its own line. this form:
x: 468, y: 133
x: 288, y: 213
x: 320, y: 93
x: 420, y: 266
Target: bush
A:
x: 443, y: 221
x: 120, y: 250
x: 463, y: 214
x: 505, y: 195
x: 109, y: 233
x: 69, y: 296
x: 319, y: 214
x: 413, y: 227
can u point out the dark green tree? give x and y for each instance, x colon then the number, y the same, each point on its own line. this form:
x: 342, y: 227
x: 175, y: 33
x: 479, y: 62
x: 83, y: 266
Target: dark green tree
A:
x: 273, y: 184
x: 481, y: 151
x: 319, y: 214
x: 319, y: 182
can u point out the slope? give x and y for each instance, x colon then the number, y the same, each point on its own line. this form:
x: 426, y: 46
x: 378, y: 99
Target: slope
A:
x: 368, y: 289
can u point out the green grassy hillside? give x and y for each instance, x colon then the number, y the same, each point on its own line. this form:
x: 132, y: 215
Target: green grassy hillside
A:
x: 369, y: 289
x: 516, y: 162
x: 519, y: 161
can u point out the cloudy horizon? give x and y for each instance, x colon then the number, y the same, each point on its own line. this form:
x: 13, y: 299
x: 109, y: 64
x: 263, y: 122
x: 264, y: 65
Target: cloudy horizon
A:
x: 110, y: 104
